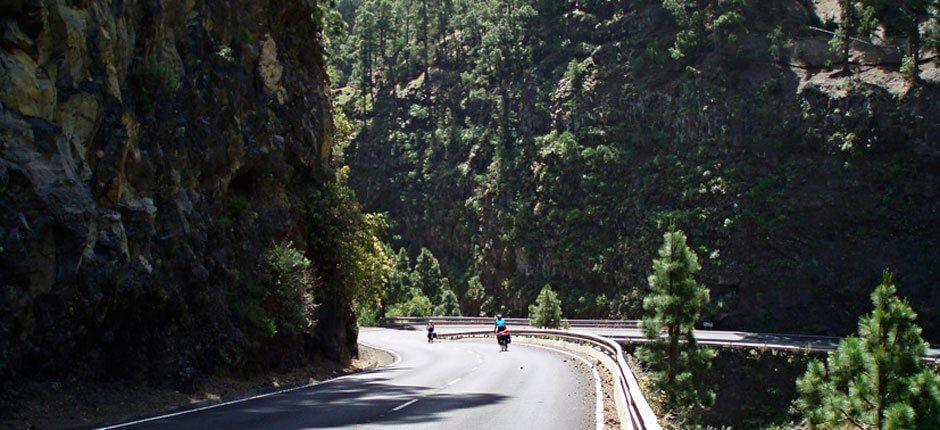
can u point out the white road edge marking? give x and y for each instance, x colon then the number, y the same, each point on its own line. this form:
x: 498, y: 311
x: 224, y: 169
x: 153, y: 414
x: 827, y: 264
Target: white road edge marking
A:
x: 454, y: 381
x: 598, y: 391
x: 389, y: 351
x: 404, y: 405
x: 259, y: 396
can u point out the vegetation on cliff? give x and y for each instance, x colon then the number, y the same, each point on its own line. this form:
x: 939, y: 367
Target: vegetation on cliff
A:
x: 533, y: 142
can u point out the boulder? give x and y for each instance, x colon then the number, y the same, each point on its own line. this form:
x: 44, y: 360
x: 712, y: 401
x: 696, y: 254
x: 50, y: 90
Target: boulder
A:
x: 24, y: 86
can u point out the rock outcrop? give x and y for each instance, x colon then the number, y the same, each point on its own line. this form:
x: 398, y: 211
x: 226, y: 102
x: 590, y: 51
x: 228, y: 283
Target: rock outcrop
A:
x: 150, y: 150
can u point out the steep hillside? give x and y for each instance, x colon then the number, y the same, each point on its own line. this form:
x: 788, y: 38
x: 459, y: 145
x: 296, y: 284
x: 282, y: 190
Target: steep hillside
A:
x: 527, y: 142
x: 152, y: 153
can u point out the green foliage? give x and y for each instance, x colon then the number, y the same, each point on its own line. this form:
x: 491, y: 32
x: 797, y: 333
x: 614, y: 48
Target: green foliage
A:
x: 342, y: 135
x: 448, y: 304
x: 418, y: 305
x: 876, y: 379
x: 700, y: 21
x: 772, y: 86
x: 254, y: 320
x: 400, y: 280
x: 653, y: 58
x: 909, y: 67
x: 690, y: 19
x: 855, y: 23
x: 283, y: 301
x: 901, y: 17
x: 496, y: 160
x: 575, y: 74
x: 427, y: 274
x: 475, y: 297
x: 367, y: 316
x: 546, y: 312
x: 243, y: 37
x: 776, y: 39
x: 673, y: 306
x: 349, y: 244
x: 629, y: 305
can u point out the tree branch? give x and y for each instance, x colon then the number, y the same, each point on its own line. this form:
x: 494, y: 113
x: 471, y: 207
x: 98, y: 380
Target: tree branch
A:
x: 852, y: 420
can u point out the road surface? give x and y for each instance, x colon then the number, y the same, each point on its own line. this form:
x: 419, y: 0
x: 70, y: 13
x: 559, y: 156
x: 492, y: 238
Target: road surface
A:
x: 706, y: 337
x: 453, y: 385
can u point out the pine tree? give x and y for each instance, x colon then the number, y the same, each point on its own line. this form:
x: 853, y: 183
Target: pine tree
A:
x: 854, y: 23
x: 905, y: 17
x: 427, y: 274
x: 546, y: 312
x: 400, y: 280
x: 417, y: 305
x: 475, y: 297
x: 875, y: 380
x: 673, y: 307
x: 448, y: 305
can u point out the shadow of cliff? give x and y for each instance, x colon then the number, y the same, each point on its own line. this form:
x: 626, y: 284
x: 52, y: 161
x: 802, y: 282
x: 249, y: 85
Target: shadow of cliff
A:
x: 346, y: 403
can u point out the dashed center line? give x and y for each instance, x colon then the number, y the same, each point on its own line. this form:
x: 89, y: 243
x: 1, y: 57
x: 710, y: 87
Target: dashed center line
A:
x: 404, y: 405
x: 454, y: 381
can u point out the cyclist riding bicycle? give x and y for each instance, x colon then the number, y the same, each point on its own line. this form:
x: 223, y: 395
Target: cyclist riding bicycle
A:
x: 502, y: 334
x: 500, y: 323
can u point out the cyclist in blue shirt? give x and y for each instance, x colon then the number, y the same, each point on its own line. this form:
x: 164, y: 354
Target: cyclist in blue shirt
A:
x: 500, y: 323
x: 502, y: 334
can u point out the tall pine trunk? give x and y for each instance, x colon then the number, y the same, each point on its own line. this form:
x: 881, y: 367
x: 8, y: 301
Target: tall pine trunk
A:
x: 915, y: 51
x: 673, y: 357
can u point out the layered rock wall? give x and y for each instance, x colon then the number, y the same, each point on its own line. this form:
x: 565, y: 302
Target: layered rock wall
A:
x: 150, y: 150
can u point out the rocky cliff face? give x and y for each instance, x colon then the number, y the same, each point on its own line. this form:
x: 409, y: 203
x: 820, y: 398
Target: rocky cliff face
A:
x: 149, y: 151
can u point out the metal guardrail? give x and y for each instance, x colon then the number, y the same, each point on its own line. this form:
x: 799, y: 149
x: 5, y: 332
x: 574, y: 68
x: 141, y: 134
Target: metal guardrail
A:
x: 641, y: 415
x: 512, y: 321
x: 784, y: 342
x: 817, y: 348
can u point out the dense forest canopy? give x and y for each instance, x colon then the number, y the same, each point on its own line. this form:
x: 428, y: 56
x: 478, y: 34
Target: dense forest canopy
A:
x: 525, y: 142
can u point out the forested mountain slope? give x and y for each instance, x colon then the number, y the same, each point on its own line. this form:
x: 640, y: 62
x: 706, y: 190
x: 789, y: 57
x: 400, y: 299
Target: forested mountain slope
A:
x: 526, y: 142
x: 157, y: 160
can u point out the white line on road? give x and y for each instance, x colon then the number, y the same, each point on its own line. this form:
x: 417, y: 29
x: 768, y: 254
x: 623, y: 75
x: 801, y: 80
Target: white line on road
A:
x: 475, y: 369
x: 454, y: 381
x: 598, y: 391
x: 403, y: 406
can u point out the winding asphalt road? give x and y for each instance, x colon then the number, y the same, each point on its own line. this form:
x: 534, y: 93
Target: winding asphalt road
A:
x: 441, y: 385
x: 705, y: 337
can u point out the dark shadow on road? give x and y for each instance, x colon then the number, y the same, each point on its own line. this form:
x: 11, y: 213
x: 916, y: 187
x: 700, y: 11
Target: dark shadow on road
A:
x: 345, y: 403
